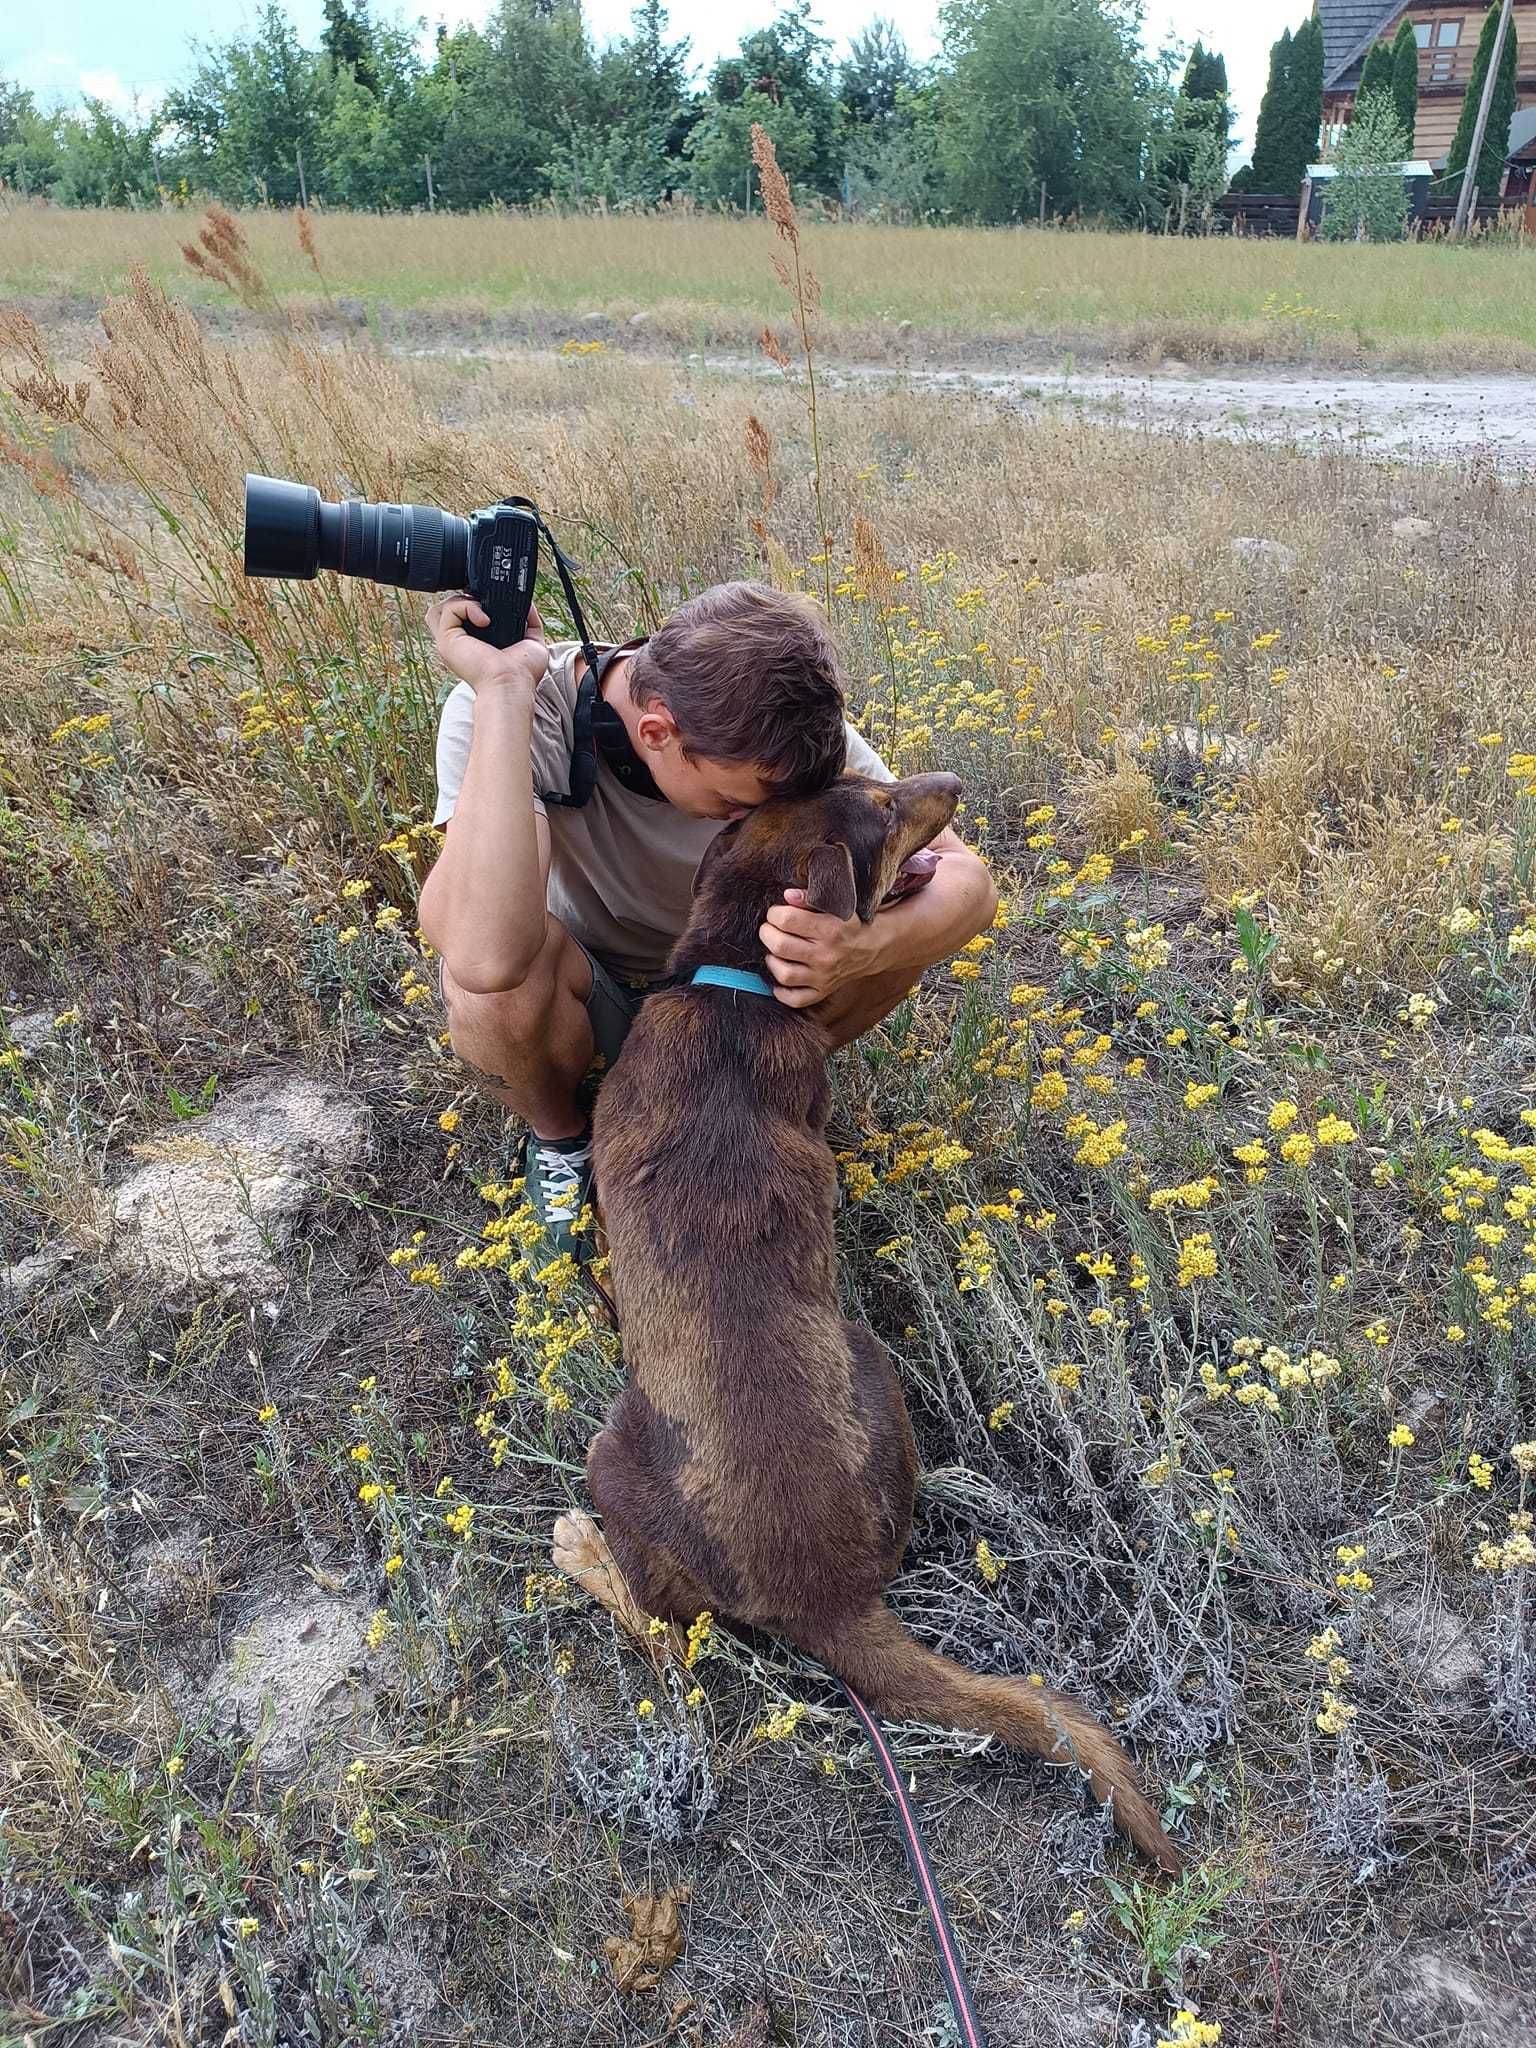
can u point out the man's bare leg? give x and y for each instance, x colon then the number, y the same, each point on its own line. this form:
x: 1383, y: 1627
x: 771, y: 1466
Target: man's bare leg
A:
x: 531, y: 1045
x: 860, y: 1005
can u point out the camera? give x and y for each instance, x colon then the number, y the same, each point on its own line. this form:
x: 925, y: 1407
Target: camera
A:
x: 290, y: 530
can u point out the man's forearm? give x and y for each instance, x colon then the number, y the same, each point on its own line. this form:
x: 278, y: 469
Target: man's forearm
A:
x: 487, y: 892
x: 959, y: 902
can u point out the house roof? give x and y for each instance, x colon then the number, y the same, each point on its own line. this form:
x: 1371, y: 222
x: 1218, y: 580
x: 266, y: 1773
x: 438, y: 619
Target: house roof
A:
x: 1349, y: 29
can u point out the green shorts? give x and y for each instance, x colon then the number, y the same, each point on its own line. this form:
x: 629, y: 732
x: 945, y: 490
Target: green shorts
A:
x: 612, y: 1006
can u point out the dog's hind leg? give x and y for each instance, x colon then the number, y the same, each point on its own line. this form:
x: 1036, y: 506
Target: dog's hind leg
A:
x: 635, y: 1582
x: 890, y: 1473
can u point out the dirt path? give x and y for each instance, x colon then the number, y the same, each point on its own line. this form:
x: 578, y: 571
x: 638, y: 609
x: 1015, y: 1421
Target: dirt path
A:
x: 1405, y: 418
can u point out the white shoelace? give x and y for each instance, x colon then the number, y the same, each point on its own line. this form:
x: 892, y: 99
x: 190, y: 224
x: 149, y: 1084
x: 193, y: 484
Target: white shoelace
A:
x: 560, y: 1181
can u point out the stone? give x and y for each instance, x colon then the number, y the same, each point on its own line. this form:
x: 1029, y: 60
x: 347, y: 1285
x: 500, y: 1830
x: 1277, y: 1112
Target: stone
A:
x: 1426, y: 1408
x: 169, y: 1574
x: 1248, y: 548
x: 31, y: 1029
x: 18, y: 1283
x: 640, y: 319
x: 1412, y: 529
x: 218, y: 1199
x: 594, y: 321
x: 297, y: 1673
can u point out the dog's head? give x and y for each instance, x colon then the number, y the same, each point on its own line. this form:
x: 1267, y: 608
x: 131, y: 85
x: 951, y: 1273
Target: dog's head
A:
x: 855, y: 846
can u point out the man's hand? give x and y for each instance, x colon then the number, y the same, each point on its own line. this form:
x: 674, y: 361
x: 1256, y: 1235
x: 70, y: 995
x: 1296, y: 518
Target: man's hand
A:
x: 476, y: 662
x: 810, y: 954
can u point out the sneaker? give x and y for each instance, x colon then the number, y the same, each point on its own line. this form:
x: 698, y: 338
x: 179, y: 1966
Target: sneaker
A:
x: 557, y: 1180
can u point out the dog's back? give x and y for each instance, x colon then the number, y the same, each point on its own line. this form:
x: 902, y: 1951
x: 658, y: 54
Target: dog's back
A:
x: 718, y: 1195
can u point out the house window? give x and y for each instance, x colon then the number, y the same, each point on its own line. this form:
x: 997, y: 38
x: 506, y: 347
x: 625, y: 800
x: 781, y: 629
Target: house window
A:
x: 1421, y: 34
x: 1448, y: 34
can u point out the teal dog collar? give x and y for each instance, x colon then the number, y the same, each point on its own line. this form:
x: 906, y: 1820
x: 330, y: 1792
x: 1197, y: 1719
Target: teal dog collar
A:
x: 732, y: 977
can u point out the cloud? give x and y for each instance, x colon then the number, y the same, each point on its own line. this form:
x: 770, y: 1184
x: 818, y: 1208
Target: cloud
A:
x: 121, y: 98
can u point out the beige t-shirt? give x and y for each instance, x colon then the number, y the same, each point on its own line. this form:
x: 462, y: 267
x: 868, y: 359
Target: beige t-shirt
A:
x: 621, y: 867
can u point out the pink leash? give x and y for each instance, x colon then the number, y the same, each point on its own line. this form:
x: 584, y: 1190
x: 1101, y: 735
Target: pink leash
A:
x: 947, y: 1948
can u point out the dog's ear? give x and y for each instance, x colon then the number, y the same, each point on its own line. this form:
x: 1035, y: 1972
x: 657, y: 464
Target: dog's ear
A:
x: 717, y: 846
x: 829, y: 881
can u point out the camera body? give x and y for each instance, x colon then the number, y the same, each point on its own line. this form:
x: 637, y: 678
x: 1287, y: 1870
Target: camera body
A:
x: 502, y: 562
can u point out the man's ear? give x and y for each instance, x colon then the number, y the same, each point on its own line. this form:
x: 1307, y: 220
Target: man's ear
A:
x: 718, y: 845
x: 829, y: 882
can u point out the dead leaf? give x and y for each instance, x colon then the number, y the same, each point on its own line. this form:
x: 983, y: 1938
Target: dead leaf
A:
x: 654, y: 1942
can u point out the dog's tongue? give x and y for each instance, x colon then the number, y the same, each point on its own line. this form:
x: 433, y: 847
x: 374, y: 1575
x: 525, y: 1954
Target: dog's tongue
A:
x: 914, y: 871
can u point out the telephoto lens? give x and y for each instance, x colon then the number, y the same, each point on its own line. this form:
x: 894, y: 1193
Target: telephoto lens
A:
x: 290, y: 530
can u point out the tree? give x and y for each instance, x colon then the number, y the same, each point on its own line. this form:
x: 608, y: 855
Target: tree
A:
x: 780, y: 78
x: 1306, y: 114
x: 348, y: 43
x: 247, y: 127
x: 874, y: 72
x: 644, y: 114
x: 1489, y: 175
x: 1291, y: 113
x: 1376, y: 74
x: 1200, y: 126
x: 514, y: 106
x: 1367, y: 201
x: 1270, y: 156
x: 29, y: 143
x: 1044, y: 97
x: 1405, y: 77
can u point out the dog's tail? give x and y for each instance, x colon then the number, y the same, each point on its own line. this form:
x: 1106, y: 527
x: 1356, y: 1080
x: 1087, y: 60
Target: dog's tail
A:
x: 891, y: 1671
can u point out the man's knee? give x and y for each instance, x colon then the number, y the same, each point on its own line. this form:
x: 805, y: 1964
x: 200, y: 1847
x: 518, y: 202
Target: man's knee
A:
x: 521, y: 1011
x: 859, y: 1006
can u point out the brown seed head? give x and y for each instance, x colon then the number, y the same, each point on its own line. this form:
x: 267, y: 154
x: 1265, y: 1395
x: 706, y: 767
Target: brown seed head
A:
x: 774, y: 349
x: 777, y: 203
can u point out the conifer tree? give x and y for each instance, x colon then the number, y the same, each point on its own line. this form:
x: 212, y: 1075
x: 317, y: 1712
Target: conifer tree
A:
x: 1489, y: 175
x: 1269, y: 152
x: 1405, y: 77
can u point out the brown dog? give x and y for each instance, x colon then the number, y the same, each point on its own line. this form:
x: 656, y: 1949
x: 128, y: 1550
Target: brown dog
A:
x: 760, y: 1463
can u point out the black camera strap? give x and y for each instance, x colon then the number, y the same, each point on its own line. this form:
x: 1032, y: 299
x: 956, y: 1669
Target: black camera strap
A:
x: 594, y: 723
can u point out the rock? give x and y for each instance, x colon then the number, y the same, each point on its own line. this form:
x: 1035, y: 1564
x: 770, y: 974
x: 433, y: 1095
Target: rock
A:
x: 594, y: 321
x: 170, y: 1574
x: 1426, y: 1408
x: 1274, y: 552
x: 1439, y: 1649
x: 1435, y: 1992
x: 903, y: 329
x: 641, y: 319
x: 1238, y: 749
x: 30, y: 1275
x: 1411, y: 529
x: 297, y: 1673
x: 31, y: 1029
x: 219, y: 1197
x: 1174, y: 366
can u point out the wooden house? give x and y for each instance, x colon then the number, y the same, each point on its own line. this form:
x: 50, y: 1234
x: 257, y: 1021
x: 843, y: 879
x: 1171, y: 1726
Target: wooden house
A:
x: 1447, y: 33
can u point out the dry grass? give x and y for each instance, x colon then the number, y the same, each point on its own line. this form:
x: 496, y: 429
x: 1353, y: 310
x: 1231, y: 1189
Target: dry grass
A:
x: 1264, y: 837
x: 702, y: 279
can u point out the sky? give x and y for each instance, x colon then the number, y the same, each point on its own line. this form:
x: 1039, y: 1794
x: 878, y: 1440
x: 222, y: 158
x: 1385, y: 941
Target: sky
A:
x: 116, y: 49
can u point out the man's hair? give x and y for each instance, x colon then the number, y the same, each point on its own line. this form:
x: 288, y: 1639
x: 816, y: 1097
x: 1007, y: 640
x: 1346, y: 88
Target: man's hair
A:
x: 750, y: 675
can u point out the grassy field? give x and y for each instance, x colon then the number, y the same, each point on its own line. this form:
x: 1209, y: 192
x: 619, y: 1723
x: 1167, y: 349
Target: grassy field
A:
x: 1194, y: 1200
x: 702, y: 278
